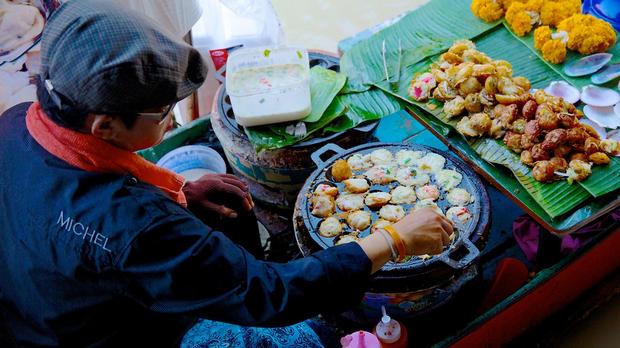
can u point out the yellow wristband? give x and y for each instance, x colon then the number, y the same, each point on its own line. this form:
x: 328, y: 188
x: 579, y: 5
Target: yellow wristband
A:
x: 400, y: 244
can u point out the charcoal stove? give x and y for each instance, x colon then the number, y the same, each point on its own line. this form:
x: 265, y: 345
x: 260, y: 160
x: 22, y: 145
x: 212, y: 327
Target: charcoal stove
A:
x: 276, y: 176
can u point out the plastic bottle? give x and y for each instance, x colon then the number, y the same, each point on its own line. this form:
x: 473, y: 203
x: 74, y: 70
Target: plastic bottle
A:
x: 391, y: 333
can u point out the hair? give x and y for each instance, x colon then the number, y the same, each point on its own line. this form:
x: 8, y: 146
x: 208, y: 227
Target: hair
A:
x: 70, y: 116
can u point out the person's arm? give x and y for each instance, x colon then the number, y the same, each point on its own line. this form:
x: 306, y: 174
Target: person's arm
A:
x: 179, y: 266
x: 423, y: 232
x: 377, y: 249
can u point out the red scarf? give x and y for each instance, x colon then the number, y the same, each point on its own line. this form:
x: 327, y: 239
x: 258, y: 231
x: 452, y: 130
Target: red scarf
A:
x: 92, y: 154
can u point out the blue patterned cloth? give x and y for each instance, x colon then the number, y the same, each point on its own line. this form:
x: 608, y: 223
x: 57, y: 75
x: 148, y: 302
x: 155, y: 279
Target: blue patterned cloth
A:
x: 214, y: 334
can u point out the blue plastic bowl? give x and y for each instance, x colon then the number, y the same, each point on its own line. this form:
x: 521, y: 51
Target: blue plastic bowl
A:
x: 608, y: 10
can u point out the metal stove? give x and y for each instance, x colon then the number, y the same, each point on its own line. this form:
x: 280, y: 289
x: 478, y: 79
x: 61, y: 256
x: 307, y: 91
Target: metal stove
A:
x: 275, y: 177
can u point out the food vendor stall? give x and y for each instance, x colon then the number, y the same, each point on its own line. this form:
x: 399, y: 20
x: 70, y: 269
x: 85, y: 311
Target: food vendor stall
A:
x: 502, y: 117
x: 388, y: 70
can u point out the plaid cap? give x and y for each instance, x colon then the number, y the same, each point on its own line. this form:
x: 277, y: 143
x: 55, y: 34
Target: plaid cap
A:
x: 103, y: 58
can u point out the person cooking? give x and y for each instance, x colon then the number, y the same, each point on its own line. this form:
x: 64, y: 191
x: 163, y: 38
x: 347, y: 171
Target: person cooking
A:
x: 99, y: 247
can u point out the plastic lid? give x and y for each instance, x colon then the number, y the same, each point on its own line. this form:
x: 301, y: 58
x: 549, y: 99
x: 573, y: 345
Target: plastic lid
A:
x: 360, y: 339
x: 608, y: 10
x: 388, y: 329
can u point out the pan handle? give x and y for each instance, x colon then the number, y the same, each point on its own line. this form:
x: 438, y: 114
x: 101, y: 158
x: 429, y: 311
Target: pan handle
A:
x: 365, y: 128
x: 316, y: 155
x: 472, y: 254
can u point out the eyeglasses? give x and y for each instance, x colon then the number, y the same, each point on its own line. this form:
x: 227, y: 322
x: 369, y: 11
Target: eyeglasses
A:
x: 160, y: 117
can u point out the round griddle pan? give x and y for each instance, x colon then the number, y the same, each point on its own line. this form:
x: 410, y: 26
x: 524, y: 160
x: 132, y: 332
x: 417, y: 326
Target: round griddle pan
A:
x: 459, y: 255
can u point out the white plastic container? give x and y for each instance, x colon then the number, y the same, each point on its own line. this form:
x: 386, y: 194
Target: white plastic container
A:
x: 193, y: 161
x: 268, y: 85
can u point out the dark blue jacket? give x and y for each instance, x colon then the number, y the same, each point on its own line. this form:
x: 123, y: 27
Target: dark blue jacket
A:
x: 102, y: 259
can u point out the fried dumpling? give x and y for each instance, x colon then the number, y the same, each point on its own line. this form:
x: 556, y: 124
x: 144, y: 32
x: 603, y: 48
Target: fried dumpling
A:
x: 325, y: 189
x: 578, y: 170
x: 382, y: 174
x: 458, y: 214
x: 359, y: 162
x: 381, y: 156
x: 448, y: 179
x: 359, y: 220
x: 392, y: 212
x: 330, y: 227
x: 350, y: 201
x: 459, y: 197
x: 428, y: 192
x: 403, y: 195
x: 431, y: 163
x: 377, y: 199
x: 408, y: 157
x: 356, y: 185
x: 411, y: 176
x: 322, y: 205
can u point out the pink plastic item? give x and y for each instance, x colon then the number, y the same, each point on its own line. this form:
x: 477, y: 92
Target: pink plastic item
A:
x: 360, y: 339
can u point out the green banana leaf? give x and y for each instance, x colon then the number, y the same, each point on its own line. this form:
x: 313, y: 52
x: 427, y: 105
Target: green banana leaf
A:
x: 276, y: 137
x: 571, y: 56
x: 604, y: 179
x: 507, y: 180
x: 345, y: 112
x: 555, y: 199
x: 424, y: 32
x: 366, y: 106
x: 263, y: 138
x: 524, y: 63
x: 324, y: 86
x: 498, y: 172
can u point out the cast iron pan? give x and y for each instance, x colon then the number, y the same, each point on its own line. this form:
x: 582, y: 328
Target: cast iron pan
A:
x: 461, y: 254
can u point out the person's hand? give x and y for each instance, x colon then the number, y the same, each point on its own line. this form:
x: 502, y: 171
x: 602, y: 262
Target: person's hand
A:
x: 218, y: 196
x: 424, y: 231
